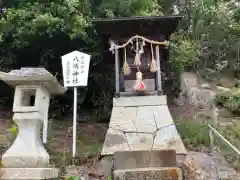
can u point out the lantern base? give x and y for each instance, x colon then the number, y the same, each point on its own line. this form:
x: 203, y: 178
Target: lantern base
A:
x: 27, y: 151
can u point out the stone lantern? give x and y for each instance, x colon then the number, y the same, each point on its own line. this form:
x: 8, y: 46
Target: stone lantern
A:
x: 27, y: 157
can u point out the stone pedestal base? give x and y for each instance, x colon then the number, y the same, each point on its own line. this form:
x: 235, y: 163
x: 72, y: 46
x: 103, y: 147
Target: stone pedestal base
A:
x: 148, y: 173
x: 27, y: 151
x: 28, y: 173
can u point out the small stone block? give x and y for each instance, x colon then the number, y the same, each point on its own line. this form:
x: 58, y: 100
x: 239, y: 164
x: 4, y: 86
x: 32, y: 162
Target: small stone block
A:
x: 148, y: 174
x: 144, y: 159
x: 114, y: 141
x: 28, y: 173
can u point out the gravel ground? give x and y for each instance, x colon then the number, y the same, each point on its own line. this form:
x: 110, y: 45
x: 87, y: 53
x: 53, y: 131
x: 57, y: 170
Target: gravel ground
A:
x: 205, y: 163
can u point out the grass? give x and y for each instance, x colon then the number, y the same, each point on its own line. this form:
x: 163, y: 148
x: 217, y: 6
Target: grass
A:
x: 59, y: 147
x: 232, y: 134
x: 194, y: 134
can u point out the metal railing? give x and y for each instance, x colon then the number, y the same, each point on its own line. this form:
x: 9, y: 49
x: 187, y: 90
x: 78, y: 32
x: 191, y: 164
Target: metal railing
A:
x: 211, y: 131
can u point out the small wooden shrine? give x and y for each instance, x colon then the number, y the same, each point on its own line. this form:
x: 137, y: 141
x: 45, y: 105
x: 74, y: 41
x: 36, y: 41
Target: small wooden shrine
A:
x: 139, y: 45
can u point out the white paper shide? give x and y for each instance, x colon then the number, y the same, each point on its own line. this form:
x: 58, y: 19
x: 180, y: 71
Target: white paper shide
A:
x: 75, y: 66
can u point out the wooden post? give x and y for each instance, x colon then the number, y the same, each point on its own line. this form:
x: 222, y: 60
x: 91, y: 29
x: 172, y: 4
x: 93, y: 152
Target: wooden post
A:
x: 159, y: 79
x: 117, y: 72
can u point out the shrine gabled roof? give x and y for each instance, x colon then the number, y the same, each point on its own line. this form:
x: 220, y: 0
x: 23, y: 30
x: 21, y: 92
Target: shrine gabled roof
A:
x: 141, y: 25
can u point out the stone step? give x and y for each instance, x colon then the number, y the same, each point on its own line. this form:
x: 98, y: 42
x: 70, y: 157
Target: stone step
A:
x: 28, y: 173
x: 160, y: 173
x: 144, y: 159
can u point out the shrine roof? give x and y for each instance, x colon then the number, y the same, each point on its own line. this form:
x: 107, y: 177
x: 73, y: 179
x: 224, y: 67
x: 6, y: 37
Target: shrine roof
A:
x: 141, y: 25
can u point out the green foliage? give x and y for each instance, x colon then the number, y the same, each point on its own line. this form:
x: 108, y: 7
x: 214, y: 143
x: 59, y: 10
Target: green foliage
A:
x: 13, y: 130
x: 184, y: 52
x: 230, y: 100
x: 37, y: 34
x: 115, y: 8
x: 73, y: 178
x: 193, y: 133
x: 211, y: 39
x: 32, y: 20
x: 232, y: 134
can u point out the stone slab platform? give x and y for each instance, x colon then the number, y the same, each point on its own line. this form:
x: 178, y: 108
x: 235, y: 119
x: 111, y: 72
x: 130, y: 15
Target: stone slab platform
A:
x: 141, y: 123
x: 144, y: 159
x: 148, y: 174
x: 28, y: 173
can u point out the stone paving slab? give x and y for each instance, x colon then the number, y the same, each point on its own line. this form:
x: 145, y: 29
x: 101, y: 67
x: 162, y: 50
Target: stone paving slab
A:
x: 145, y: 120
x: 121, y: 115
x: 168, y: 138
x: 142, y: 123
x: 148, y: 174
x: 139, y: 141
x: 114, y: 141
